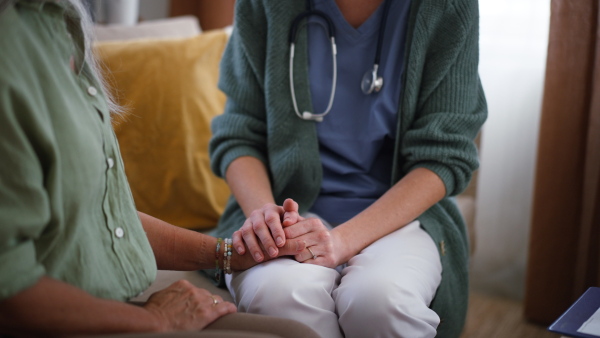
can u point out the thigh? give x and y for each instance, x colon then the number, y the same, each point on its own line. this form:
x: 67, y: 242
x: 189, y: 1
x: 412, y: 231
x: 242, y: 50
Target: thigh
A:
x: 390, y: 285
x: 189, y: 334
x: 287, y: 289
x: 279, y: 279
x: 407, y: 256
x: 258, y: 324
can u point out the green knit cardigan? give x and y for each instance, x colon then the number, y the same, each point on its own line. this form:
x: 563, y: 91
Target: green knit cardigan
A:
x: 441, y: 110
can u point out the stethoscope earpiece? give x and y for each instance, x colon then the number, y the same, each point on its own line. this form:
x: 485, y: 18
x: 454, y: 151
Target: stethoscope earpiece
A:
x: 311, y: 117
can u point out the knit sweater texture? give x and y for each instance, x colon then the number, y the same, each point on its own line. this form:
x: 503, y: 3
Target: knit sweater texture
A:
x: 442, y: 107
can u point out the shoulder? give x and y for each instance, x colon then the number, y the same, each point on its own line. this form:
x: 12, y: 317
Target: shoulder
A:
x: 460, y: 13
x: 266, y: 15
x: 443, y: 26
x: 18, y: 48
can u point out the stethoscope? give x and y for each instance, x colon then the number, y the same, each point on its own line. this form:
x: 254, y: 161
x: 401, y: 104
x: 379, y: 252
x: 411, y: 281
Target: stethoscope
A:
x: 371, y: 81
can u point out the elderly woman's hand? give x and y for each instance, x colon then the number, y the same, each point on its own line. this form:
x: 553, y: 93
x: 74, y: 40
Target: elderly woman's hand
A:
x: 184, y: 307
x: 264, y: 229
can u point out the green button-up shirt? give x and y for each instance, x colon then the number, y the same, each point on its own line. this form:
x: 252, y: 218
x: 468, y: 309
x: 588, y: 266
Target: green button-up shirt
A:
x: 66, y: 210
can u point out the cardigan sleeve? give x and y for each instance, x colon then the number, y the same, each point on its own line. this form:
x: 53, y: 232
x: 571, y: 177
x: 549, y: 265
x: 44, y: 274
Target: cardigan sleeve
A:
x: 241, y: 130
x: 451, y: 106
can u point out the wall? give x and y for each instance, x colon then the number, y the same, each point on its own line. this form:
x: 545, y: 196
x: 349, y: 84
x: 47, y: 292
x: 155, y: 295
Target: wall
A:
x: 148, y: 9
x: 513, y: 47
x: 154, y: 9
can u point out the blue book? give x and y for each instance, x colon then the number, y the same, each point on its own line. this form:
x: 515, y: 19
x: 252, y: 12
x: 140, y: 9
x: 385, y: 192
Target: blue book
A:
x: 577, y: 314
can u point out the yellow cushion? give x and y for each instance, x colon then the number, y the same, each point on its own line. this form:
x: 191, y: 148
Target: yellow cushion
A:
x: 169, y: 89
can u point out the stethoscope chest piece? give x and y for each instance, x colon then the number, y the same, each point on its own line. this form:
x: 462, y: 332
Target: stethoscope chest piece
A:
x: 371, y: 82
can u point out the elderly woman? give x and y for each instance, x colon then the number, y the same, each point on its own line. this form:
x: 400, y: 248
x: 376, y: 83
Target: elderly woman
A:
x: 73, y: 248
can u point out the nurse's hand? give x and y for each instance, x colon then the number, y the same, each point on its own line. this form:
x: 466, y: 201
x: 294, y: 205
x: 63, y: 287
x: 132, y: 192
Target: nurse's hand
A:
x: 264, y: 229
x: 291, y: 248
x: 323, y: 247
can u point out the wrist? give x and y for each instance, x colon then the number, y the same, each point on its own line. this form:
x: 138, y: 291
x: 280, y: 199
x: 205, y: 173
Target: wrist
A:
x: 156, y: 319
x: 241, y: 262
x: 341, y: 247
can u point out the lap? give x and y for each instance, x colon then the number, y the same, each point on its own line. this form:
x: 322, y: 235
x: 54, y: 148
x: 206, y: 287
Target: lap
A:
x: 405, y: 260
x: 407, y: 256
x: 393, y: 280
x: 261, y: 325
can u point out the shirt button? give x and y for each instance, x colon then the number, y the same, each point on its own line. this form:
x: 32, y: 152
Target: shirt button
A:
x: 119, y: 232
x: 110, y: 162
x: 92, y: 91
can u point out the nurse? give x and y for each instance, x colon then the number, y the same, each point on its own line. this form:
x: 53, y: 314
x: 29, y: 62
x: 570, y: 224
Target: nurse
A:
x: 349, y: 125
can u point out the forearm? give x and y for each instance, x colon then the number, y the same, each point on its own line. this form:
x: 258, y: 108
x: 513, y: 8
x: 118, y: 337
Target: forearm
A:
x: 186, y: 250
x: 177, y: 248
x: 401, y: 204
x: 249, y: 182
x: 52, y: 307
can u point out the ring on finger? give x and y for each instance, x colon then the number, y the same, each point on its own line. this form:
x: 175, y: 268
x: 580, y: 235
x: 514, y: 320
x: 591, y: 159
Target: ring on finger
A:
x: 312, y: 253
x: 215, y: 300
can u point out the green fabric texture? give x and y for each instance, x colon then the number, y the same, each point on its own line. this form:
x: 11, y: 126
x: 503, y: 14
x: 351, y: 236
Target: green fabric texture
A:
x: 63, y: 190
x: 441, y: 110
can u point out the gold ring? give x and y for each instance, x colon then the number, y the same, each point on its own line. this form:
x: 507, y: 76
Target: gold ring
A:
x: 215, y: 301
x: 312, y: 253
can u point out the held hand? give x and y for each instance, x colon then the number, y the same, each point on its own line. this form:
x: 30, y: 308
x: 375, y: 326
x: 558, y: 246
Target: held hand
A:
x: 184, y: 307
x: 321, y: 244
x: 292, y: 247
x: 264, y: 228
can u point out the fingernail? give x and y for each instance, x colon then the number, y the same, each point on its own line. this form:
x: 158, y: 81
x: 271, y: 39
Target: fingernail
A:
x: 272, y: 252
x: 257, y: 257
x: 279, y: 241
x: 240, y: 250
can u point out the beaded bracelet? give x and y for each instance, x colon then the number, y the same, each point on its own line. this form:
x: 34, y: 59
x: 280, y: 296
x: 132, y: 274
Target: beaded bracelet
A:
x: 217, y: 265
x: 227, y: 255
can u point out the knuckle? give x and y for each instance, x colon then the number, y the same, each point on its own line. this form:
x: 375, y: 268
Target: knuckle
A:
x: 323, y: 236
x: 182, y: 283
x: 245, y: 232
x: 271, y: 218
x: 256, y: 227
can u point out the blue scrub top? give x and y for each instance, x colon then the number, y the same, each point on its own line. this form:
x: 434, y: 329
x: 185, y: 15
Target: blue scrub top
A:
x: 356, y: 138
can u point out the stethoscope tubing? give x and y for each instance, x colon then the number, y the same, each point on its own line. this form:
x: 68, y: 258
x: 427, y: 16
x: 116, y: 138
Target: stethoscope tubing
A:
x: 331, y: 31
x: 308, y: 115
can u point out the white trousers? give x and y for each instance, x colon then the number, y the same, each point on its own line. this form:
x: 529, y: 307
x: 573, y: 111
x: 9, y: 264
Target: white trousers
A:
x: 384, y: 291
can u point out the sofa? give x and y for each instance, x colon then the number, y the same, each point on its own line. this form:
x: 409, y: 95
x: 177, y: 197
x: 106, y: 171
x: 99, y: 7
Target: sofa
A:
x: 164, y: 73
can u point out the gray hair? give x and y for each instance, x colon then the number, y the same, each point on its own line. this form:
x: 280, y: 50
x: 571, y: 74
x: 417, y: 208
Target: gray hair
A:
x: 80, y: 15
x: 87, y: 27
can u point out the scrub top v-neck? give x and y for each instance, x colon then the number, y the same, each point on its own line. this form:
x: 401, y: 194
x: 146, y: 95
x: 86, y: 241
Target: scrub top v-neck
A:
x: 356, y: 138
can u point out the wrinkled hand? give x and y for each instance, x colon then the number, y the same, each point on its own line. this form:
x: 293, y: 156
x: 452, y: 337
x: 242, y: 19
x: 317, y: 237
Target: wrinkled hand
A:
x: 184, y: 307
x: 320, y: 243
x: 264, y: 229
